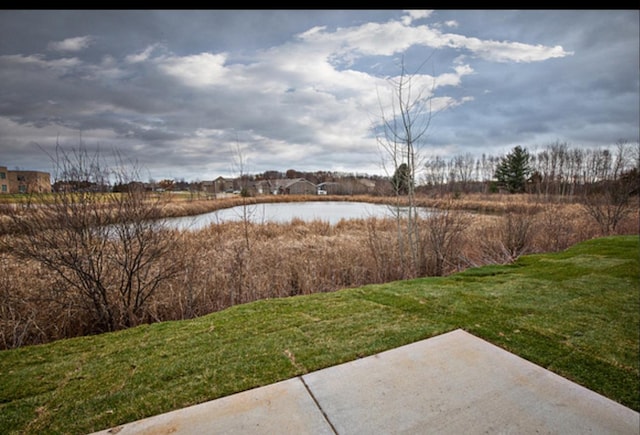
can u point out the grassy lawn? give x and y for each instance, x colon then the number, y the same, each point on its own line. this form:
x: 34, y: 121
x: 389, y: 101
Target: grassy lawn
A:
x: 576, y: 313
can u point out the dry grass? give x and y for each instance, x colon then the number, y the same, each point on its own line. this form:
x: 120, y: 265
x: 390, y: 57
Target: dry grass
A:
x: 235, y: 262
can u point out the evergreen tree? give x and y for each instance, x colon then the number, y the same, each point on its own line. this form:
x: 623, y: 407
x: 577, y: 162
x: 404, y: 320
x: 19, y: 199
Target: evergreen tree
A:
x: 514, y: 169
x: 401, y: 180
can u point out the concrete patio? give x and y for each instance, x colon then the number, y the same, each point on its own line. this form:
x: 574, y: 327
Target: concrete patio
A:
x: 454, y: 383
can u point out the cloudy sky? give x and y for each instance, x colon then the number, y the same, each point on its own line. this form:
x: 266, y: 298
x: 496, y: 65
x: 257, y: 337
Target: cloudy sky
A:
x: 184, y: 93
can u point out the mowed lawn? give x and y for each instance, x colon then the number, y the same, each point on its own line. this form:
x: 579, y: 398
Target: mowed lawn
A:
x: 576, y: 313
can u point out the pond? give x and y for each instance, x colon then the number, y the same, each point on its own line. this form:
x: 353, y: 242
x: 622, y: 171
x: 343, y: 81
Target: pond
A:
x: 284, y: 212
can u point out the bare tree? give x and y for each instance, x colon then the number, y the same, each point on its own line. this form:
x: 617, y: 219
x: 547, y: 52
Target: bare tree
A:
x: 239, y: 167
x: 238, y: 285
x: 435, y: 174
x: 464, y: 166
x: 108, y: 249
x: 404, y: 124
x: 608, y: 199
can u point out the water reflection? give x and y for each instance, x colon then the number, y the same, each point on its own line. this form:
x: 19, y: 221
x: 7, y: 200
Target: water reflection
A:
x: 328, y: 211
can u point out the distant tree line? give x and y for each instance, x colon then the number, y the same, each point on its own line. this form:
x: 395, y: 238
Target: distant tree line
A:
x: 557, y: 170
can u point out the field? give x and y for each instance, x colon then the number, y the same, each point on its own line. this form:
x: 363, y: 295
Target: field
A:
x: 576, y: 312
x: 236, y: 263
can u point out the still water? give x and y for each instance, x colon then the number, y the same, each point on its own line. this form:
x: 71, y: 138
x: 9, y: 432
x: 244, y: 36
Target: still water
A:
x: 328, y: 211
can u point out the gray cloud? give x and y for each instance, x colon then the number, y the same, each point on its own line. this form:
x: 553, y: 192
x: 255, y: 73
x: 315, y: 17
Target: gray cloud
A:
x: 178, y: 90
x: 70, y: 44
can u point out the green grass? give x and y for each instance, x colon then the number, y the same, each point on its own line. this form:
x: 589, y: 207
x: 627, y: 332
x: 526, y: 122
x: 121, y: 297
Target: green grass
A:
x: 576, y: 313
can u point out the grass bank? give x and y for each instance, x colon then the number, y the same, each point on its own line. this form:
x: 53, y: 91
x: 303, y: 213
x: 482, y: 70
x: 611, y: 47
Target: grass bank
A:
x: 576, y: 313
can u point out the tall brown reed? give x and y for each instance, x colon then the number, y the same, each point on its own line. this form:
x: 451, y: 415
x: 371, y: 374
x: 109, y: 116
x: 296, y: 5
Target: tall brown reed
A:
x: 298, y: 258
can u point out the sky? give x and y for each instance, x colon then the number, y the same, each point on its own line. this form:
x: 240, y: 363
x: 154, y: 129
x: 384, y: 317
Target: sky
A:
x: 196, y: 94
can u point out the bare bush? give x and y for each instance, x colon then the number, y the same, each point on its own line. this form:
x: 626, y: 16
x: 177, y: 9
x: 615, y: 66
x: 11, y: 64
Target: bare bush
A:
x: 442, y: 233
x: 609, y: 202
x: 107, y: 251
x: 506, y: 239
x: 559, y: 226
x: 382, y: 245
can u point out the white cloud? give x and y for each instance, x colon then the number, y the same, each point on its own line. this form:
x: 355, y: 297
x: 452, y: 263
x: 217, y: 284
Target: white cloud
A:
x: 39, y: 61
x: 413, y: 15
x: 23, y: 65
x: 210, y: 133
x: 197, y: 70
x: 143, y: 55
x: 453, y: 79
x: 71, y: 44
x: 502, y: 51
x: 368, y: 39
x: 384, y: 39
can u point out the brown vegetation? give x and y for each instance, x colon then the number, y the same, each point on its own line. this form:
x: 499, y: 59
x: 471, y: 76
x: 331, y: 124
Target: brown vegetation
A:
x: 238, y: 262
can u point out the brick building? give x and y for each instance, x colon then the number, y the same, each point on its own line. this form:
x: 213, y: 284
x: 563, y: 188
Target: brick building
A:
x: 24, y: 181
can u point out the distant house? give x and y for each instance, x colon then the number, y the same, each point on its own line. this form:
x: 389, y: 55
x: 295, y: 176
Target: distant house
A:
x: 217, y: 186
x: 4, y: 180
x: 295, y: 186
x: 24, y: 181
x: 330, y: 188
x: 225, y: 185
x: 262, y: 187
x: 290, y: 186
x: 348, y: 186
x: 208, y: 187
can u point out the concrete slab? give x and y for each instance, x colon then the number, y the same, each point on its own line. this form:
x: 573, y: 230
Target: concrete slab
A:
x: 457, y: 383
x: 281, y: 408
x: 451, y: 384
